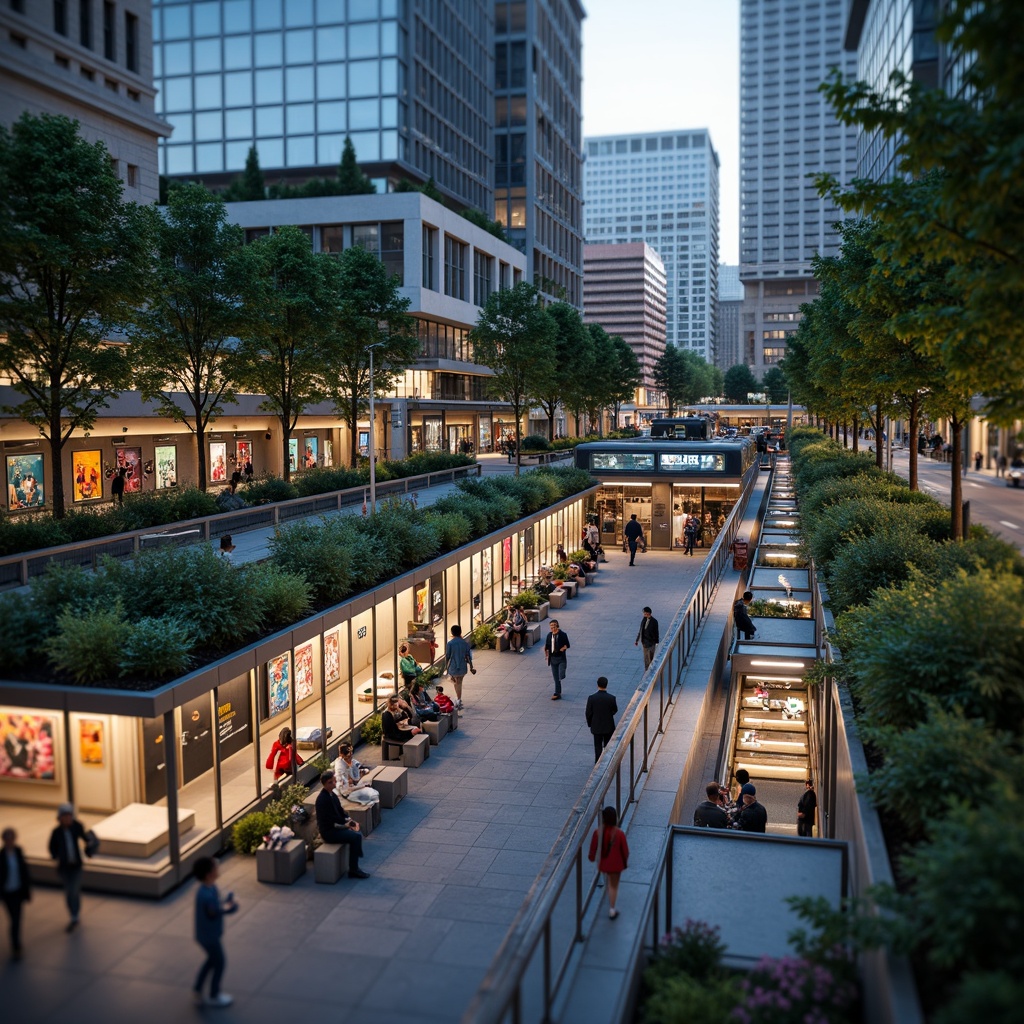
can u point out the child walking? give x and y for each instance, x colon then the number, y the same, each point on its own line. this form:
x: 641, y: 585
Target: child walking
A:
x: 210, y: 913
x: 614, y: 854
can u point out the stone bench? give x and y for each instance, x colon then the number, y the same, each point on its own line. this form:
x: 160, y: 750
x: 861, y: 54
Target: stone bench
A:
x: 139, y: 830
x: 538, y: 613
x: 533, y: 634
x: 281, y: 866
x: 412, y: 753
x: 436, y: 731
x: 391, y: 783
x: 330, y: 862
x: 569, y: 587
x: 366, y: 816
x: 557, y: 598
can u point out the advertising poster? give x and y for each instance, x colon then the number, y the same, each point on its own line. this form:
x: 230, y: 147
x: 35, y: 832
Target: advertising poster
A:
x: 166, y: 465
x: 332, y: 657
x: 196, y: 738
x: 364, y: 443
x: 436, y: 599
x: 303, y: 672
x: 328, y: 452
x: 25, y: 481
x: 243, y: 454
x: 486, y: 558
x: 130, y: 460
x: 279, y: 690
x: 88, y: 475
x: 309, y: 455
x: 218, y: 462
x: 234, y: 718
x: 293, y: 453
x: 90, y: 740
x: 422, y: 594
x: 26, y: 747
x: 506, y: 555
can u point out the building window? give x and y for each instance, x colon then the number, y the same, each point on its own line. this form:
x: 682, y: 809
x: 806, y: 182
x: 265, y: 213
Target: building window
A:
x: 504, y: 276
x: 87, y: 74
x: 109, y: 31
x: 430, y: 258
x: 483, y: 276
x: 60, y: 17
x: 18, y: 6
x: 61, y: 62
x: 113, y: 167
x: 85, y: 23
x: 19, y: 41
x: 131, y: 41
x: 132, y: 176
x: 392, y: 249
x: 454, y: 268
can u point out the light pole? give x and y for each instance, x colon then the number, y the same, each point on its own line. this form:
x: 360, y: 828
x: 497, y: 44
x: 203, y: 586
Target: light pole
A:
x: 373, y: 461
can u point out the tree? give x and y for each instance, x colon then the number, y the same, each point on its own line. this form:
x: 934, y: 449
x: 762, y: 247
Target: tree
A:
x: 774, y: 385
x: 287, y: 304
x: 183, y: 347
x: 74, y: 260
x: 369, y: 311
x: 351, y: 180
x: 481, y: 220
x: 515, y: 337
x: 668, y: 377
x: 571, y: 344
x: 599, y: 385
x: 250, y: 186
x: 627, y: 377
x: 684, y: 377
x: 739, y: 384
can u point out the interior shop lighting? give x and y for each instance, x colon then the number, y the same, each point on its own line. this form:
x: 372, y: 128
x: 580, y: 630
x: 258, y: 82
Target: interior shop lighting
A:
x: 624, y: 483
x: 778, y: 664
x: 776, y: 679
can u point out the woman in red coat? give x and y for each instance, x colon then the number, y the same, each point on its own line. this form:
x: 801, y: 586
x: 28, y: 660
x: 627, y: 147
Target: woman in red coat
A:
x: 614, y: 854
x: 282, y: 753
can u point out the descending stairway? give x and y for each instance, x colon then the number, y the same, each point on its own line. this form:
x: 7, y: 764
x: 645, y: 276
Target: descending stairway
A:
x: 771, y: 729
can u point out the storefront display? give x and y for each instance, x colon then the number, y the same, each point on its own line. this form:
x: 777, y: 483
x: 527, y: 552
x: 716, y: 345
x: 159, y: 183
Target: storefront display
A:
x: 25, y: 481
x: 309, y: 453
x: 166, y: 465
x: 218, y: 462
x: 303, y: 672
x: 332, y: 657
x: 279, y: 689
x: 234, y: 716
x: 26, y: 747
x: 90, y: 740
x: 88, y: 475
x: 293, y: 453
x: 243, y: 454
x: 130, y: 460
x: 196, y: 738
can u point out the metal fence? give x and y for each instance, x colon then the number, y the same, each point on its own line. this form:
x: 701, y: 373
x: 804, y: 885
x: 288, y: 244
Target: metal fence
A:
x: 526, y: 977
x: 18, y: 570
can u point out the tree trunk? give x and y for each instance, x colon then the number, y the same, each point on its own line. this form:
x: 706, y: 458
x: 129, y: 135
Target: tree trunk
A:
x: 878, y: 435
x: 519, y: 439
x: 956, y: 488
x: 200, y: 456
x: 551, y: 423
x: 354, y: 430
x: 912, y: 447
x: 856, y: 437
x: 286, y: 436
x: 57, y: 490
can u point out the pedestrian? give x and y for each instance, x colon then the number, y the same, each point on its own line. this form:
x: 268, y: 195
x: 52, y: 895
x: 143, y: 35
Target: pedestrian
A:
x: 711, y: 813
x: 978, y: 459
x: 805, y: 810
x: 634, y: 534
x: 236, y: 479
x: 209, y: 917
x: 226, y: 548
x: 1001, y: 465
x: 742, y: 617
x: 66, y: 842
x: 601, y: 711
x: 15, y: 885
x: 691, y: 532
x: 117, y: 486
x: 611, y: 841
x: 556, y: 643
x: 458, y: 658
x: 648, y: 636
x: 248, y: 471
x: 752, y: 817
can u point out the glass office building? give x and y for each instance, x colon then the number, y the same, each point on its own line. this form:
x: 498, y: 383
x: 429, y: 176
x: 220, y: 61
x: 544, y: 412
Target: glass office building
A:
x: 409, y: 81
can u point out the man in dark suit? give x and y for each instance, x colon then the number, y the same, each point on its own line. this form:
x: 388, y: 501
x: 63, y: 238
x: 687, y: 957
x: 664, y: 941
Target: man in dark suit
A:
x: 336, y: 826
x: 556, y: 643
x: 66, y: 851
x: 601, y: 711
x: 634, y: 534
x: 15, y: 885
x: 741, y: 616
x: 648, y: 636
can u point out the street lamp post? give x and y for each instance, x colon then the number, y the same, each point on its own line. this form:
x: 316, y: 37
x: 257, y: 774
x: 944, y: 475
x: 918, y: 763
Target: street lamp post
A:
x: 373, y: 461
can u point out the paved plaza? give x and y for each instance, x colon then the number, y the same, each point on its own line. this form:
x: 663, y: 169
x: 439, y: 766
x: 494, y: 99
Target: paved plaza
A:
x: 450, y: 865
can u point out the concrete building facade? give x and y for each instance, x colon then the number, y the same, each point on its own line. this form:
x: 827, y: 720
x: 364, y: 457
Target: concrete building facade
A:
x: 625, y: 292
x: 91, y: 61
x: 538, y: 195
x: 411, y: 83
x: 729, y: 318
x: 787, y: 134
x: 662, y: 189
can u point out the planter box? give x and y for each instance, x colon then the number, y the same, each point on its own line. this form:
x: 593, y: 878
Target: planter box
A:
x: 557, y: 598
x: 569, y: 587
x: 538, y: 613
x: 591, y: 577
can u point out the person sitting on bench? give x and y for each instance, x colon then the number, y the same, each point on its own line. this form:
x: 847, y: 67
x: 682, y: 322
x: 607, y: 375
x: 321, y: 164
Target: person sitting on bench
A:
x: 443, y: 701
x: 350, y: 775
x: 395, y: 723
x: 426, y: 710
x: 336, y: 826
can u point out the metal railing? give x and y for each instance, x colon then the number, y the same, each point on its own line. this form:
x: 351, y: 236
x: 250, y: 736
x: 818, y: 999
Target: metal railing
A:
x: 17, y: 570
x: 534, y: 958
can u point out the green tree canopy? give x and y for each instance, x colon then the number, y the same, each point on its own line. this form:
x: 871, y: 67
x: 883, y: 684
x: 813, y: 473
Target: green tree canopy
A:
x: 571, y: 344
x: 515, y: 337
x: 250, y: 186
x: 740, y: 383
x: 351, y: 180
x: 599, y: 386
x: 74, y: 260
x: 774, y: 385
x: 626, y: 378
x: 183, y: 344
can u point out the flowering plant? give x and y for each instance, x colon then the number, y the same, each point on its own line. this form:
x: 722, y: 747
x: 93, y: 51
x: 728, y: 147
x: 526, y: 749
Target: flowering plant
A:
x: 694, y: 949
x: 791, y: 990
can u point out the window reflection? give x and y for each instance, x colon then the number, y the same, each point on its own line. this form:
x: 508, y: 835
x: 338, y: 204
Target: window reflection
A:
x: 238, y: 15
x: 177, y: 58
x: 330, y: 44
x: 389, y: 38
x: 300, y: 151
x: 300, y: 119
x: 206, y: 19
x: 330, y: 117
x: 367, y: 145
x: 298, y: 13
x: 177, y: 94
x: 268, y: 86
x: 363, y: 78
x: 238, y: 52
x: 267, y: 13
x: 268, y: 49
x: 206, y: 55
x: 176, y: 23
x: 330, y: 81
x: 209, y: 127
x: 269, y: 121
x: 299, y: 83
x: 208, y: 92
x: 298, y: 47
x: 362, y: 114
x: 238, y: 124
x: 328, y: 148
x: 622, y: 460
x: 238, y: 89
x: 210, y: 157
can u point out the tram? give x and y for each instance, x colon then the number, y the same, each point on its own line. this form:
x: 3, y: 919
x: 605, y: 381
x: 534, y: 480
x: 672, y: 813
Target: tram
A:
x: 664, y: 482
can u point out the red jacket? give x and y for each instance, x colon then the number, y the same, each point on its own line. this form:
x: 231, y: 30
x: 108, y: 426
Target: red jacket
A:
x: 282, y: 765
x: 614, y: 852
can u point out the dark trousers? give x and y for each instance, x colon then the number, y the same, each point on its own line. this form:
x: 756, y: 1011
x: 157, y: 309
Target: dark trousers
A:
x: 805, y: 827
x: 71, y: 879
x: 600, y: 742
x: 14, y: 901
x: 214, y: 966
x: 632, y: 550
x: 347, y: 837
x: 690, y: 539
x: 649, y: 653
x: 558, y: 672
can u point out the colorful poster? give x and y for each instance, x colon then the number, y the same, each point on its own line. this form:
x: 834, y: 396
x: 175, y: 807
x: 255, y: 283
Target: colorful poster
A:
x: 423, y: 602
x: 26, y: 747
x: 328, y: 452
x: 166, y: 466
x: 90, y: 740
x: 218, y: 462
x: 130, y: 460
x: 279, y: 684
x: 293, y: 453
x: 25, y: 481
x: 88, y: 475
x: 506, y: 555
x: 303, y: 672
x: 243, y: 454
x: 486, y: 559
x: 310, y: 452
x: 332, y: 657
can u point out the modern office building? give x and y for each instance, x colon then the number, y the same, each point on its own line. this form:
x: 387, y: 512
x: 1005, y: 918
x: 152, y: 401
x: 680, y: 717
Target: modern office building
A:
x: 409, y: 81
x: 538, y: 193
x: 91, y: 61
x: 787, y: 134
x: 729, y: 317
x: 662, y: 189
x: 624, y: 291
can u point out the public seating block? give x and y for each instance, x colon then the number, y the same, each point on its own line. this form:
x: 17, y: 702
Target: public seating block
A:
x: 330, y: 862
x: 391, y: 783
x: 532, y: 634
x: 436, y: 731
x: 283, y: 865
x: 416, y: 751
x: 557, y: 598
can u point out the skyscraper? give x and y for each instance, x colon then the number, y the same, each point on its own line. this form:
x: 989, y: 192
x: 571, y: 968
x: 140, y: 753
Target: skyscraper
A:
x: 539, y: 159
x: 787, y: 134
x: 662, y: 189
x: 409, y: 82
x: 729, y: 317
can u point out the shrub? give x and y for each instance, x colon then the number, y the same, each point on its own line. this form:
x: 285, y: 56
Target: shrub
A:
x: 287, y: 799
x: 484, y: 635
x: 265, y: 489
x: 453, y: 528
x: 873, y: 482
x: 526, y: 489
x: 157, y: 648
x: 87, y: 645
x: 680, y: 999
x: 64, y: 587
x: 569, y: 479
x: 371, y: 730
x: 190, y: 503
x: 983, y: 996
x: 535, y: 443
x: 499, y: 508
x: 402, y: 533
x: 322, y: 481
x: 24, y: 631
x: 29, y: 533
x: 248, y: 832
x: 283, y: 597
x: 424, y: 462
x: 472, y: 508
x: 528, y: 598
x: 321, y: 553
x: 790, y: 990
x: 695, y: 949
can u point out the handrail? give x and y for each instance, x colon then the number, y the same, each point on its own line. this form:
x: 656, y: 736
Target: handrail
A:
x: 642, y: 722
x: 17, y: 570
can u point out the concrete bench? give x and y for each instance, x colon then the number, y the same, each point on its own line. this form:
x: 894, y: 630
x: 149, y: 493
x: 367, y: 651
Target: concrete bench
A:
x: 281, y: 866
x: 412, y: 753
x: 366, y: 816
x: 569, y: 588
x: 536, y: 614
x: 436, y: 731
x: 557, y: 598
x: 532, y: 634
x: 591, y: 578
x: 391, y: 783
x: 330, y: 862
